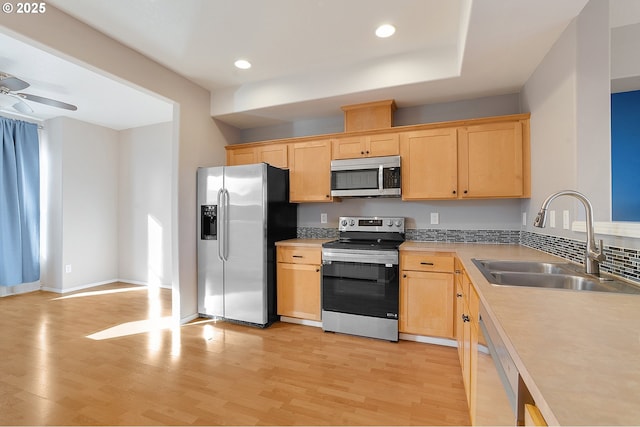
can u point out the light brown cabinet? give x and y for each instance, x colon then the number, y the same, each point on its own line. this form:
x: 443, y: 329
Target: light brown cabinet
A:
x: 274, y: 154
x: 426, y: 294
x: 467, y: 332
x: 310, y: 171
x: 366, y: 146
x: 489, y: 160
x: 299, y: 278
x: 429, y: 164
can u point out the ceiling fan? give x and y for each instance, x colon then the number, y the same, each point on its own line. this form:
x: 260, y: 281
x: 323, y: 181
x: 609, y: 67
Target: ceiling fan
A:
x: 10, y: 98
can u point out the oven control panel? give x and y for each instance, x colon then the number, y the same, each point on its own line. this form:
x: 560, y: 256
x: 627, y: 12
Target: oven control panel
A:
x: 371, y: 223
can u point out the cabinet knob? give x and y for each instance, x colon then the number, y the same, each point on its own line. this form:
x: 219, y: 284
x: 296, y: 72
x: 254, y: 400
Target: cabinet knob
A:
x: 362, y: 152
x: 465, y: 191
x: 367, y: 152
x: 326, y: 195
x: 404, y: 276
x: 459, y: 295
x: 465, y: 318
x: 454, y: 191
x: 317, y: 270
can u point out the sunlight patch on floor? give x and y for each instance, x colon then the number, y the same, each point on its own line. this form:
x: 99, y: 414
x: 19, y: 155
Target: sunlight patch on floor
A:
x: 104, y: 292
x: 132, y: 328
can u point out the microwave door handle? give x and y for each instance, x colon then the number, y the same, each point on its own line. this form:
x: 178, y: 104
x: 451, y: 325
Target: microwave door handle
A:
x: 380, y: 177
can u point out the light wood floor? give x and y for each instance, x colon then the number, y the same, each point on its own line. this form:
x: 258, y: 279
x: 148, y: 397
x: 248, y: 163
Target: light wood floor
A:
x: 101, y: 357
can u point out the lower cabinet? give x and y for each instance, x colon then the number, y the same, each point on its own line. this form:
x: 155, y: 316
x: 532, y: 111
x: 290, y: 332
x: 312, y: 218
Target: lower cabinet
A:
x: 467, y: 332
x: 426, y: 294
x: 299, y: 278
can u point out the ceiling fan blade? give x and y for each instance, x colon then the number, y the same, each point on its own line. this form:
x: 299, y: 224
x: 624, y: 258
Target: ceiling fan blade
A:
x: 22, y: 107
x: 47, y: 101
x: 12, y: 83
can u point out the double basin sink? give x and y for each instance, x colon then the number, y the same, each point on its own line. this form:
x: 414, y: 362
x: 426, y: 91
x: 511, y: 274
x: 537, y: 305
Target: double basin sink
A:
x: 550, y: 275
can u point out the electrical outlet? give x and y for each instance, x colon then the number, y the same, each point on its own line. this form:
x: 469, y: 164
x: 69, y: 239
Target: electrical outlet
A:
x: 565, y: 220
x: 552, y: 219
x: 435, y: 218
x: 67, y: 268
x: 323, y: 218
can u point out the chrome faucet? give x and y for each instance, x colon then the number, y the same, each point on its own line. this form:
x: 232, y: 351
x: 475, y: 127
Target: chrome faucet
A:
x: 593, y: 256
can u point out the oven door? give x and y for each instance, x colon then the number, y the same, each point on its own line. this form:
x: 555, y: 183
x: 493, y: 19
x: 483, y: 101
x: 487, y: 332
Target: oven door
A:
x: 360, y: 288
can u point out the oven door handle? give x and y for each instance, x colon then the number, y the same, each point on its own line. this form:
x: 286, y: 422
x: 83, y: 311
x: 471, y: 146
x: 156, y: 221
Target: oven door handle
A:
x: 388, y: 260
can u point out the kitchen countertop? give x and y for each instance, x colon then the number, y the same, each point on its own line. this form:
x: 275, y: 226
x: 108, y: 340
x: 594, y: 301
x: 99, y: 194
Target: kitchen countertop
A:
x: 303, y: 242
x: 577, y: 352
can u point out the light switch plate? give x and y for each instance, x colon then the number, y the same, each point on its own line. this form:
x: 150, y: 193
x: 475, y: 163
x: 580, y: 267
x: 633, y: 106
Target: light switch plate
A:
x: 435, y: 218
x: 67, y: 268
x: 552, y: 219
x: 524, y: 218
x: 323, y: 218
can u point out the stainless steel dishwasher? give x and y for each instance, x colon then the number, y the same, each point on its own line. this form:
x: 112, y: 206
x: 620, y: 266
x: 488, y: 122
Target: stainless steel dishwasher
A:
x: 497, y: 378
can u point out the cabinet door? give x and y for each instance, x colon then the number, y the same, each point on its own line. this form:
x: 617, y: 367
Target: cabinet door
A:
x: 274, y: 154
x: 490, y: 160
x: 459, y: 324
x: 241, y: 156
x: 298, y: 290
x: 348, y: 148
x: 426, y: 303
x: 310, y: 171
x: 429, y: 164
x: 387, y: 144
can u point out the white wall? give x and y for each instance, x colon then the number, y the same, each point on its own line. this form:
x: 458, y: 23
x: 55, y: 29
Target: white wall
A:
x: 82, y: 206
x: 568, y: 97
x: 197, y: 140
x: 144, y: 215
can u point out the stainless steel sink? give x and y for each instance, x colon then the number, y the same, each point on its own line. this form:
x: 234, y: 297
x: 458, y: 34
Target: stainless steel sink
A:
x: 549, y: 275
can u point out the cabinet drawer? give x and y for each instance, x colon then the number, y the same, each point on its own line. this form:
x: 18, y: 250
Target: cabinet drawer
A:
x: 299, y: 255
x: 426, y: 262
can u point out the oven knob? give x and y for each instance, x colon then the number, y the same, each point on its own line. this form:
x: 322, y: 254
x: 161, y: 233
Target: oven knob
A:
x: 352, y: 222
x: 343, y: 222
x: 389, y: 223
x: 398, y: 223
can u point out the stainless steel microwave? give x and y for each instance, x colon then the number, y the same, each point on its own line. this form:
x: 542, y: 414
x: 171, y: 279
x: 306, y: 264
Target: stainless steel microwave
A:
x: 366, y: 177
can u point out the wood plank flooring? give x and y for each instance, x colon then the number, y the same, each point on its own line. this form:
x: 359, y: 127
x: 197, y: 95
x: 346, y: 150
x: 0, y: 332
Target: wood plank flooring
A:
x: 106, y: 356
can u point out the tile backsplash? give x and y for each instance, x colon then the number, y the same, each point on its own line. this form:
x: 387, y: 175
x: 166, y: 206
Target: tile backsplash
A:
x: 622, y: 262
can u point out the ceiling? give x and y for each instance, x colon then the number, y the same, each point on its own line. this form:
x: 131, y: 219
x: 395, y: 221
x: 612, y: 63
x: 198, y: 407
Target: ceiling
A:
x: 309, y: 56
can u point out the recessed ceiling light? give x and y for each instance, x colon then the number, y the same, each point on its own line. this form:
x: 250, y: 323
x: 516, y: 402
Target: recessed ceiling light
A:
x: 385, y: 30
x: 243, y: 64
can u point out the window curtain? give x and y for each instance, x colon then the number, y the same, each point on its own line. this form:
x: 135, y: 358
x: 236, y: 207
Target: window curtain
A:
x: 19, y: 202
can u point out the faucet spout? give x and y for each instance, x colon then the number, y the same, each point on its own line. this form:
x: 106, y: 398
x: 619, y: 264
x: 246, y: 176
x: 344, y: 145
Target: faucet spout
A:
x: 593, y: 255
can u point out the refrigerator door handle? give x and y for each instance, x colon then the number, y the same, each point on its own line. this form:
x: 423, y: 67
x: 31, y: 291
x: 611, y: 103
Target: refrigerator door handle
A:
x: 220, y: 223
x: 225, y: 224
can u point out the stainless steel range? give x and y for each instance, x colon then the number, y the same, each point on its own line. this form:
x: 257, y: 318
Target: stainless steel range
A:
x: 360, y: 277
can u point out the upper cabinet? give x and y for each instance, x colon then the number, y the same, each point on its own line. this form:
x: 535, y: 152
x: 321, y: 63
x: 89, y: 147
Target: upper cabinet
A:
x: 274, y: 154
x: 484, y: 160
x: 429, y: 164
x: 310, y: 171
x: 481, y: 158
x: 366, y: 146
x: 491, y: 160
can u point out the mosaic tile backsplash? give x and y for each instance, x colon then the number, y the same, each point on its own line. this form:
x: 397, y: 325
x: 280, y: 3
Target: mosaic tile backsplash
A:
x: 622, y: 262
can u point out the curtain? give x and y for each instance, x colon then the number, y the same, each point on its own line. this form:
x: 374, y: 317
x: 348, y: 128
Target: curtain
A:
x: 19, y: 202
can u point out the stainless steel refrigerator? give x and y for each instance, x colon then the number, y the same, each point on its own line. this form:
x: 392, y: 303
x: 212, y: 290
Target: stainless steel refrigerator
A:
x: 243, y: 211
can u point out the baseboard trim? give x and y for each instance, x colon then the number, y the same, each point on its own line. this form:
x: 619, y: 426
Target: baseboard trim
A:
x: 304, y: 322
x: 429, y: 340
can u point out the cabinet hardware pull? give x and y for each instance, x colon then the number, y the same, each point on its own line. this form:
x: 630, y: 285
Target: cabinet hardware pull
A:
x: 459, y: 295
x: 465, y: 318
x: 404, y: 276
x: 454, y: 191
x: 326, y: 195
x: 297, y: 256
x: 426, y: 263
x: 465, y: 191
x: 362, y: 152
x: 457, y: 271
x: 317, y: 270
